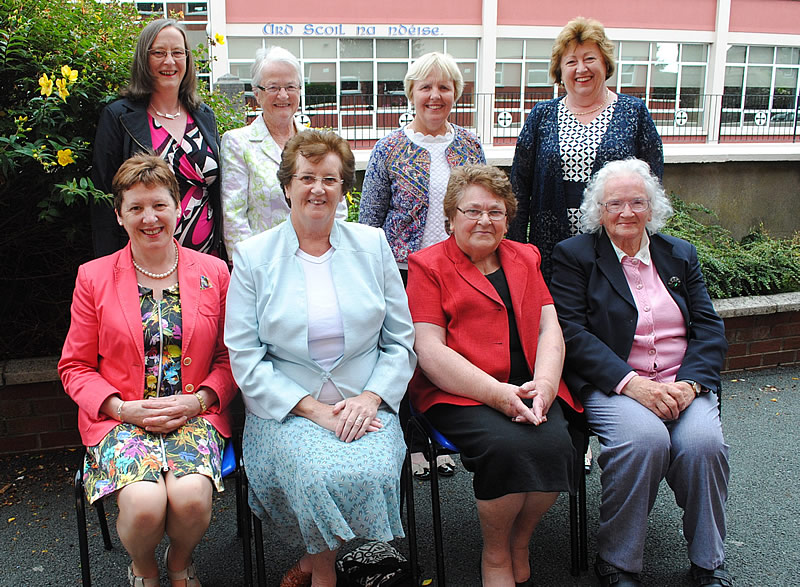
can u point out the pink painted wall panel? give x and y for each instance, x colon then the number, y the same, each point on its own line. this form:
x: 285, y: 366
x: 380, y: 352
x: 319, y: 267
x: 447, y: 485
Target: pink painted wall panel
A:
x: 354, y: 12
x: 647, y: 14
x: 765, y: 16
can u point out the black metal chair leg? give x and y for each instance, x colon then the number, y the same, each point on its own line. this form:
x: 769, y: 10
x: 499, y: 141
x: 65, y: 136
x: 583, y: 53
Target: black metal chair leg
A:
x: 244, y: 524
x: 83, y: 540
x: 582, y: 530
x: 407, y: 482
x: 101, y: 516
x: 259, y: 540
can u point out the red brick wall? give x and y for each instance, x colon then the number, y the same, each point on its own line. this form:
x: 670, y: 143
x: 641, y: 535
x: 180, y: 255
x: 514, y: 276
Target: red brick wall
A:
x: 757, y: 342
x: 37, y: 416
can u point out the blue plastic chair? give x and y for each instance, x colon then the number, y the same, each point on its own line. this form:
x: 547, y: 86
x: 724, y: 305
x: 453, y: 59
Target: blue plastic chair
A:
x: 438, y: 444
x: 228, y: 468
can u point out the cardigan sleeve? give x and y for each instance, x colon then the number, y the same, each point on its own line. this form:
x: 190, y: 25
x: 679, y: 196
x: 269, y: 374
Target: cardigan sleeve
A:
x: 522, y: 171
x: 376, y: 192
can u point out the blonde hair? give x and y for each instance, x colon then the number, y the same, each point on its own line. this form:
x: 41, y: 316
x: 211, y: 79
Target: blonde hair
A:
x: 423, y: 67
x: 582, y: 30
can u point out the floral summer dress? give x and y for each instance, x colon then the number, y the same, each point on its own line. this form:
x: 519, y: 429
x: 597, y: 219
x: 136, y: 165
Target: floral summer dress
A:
x: 129, y: 453
x: 196, y: 168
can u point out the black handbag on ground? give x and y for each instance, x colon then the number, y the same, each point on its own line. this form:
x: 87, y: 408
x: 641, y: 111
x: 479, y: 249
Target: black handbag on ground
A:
x: 373, y: 564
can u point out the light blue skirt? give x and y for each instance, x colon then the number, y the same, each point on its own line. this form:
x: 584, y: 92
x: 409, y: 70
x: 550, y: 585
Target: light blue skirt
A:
x: 318, y: 492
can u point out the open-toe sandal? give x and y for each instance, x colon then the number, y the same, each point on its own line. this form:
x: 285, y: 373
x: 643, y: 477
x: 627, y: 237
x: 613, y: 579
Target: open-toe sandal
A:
x: 135, y: 580
x: 187, y: 575
x: 296, y: 577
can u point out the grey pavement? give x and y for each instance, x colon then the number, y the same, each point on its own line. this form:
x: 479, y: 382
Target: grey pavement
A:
x: 38, y: 541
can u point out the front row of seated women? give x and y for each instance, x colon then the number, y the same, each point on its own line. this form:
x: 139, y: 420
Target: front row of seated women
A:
x: 321, y: 342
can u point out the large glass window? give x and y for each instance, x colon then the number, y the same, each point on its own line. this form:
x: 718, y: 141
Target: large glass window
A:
x: 761, y: 87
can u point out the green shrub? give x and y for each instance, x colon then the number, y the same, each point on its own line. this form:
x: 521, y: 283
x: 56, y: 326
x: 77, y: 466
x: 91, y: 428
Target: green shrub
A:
x: 757, y: 265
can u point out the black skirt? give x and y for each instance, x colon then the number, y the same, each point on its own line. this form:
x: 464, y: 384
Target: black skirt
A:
x: 507, y: 457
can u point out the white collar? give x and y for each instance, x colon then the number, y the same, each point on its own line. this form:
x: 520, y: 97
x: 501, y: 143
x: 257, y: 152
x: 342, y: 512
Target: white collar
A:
x: 643, y: 254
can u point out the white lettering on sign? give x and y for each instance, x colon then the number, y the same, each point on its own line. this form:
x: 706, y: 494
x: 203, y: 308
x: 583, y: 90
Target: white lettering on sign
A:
x: 413, y: 30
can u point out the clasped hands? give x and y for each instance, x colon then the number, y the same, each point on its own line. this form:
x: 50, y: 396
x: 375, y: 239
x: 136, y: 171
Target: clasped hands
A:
x: 508, y: 400
x: 353, y: 417
x: 665, y: 400
x: 161, y: 415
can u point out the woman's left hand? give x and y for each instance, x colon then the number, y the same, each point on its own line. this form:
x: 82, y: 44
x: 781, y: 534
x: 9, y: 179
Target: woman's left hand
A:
x: 172, y: 412
x: 357, y: 416
x: 542, y: 394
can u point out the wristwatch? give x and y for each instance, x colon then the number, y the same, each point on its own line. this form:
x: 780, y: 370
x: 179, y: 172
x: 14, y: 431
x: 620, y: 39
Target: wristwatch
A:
x: 698, y: 389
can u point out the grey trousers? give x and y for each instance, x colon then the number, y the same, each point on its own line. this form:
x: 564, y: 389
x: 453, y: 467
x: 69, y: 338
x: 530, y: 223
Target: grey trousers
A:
x: 638, y: 451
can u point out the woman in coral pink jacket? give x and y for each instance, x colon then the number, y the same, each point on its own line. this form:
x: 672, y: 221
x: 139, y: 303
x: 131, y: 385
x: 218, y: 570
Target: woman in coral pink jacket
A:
x: 145, y: 361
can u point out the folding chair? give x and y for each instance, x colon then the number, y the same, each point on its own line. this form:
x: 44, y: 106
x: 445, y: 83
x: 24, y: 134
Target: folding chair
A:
x: 228, y: 468
x: 438, y: 444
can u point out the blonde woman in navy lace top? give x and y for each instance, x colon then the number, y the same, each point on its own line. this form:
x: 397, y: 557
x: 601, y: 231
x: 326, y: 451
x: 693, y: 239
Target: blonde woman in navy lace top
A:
x: 566, y: 140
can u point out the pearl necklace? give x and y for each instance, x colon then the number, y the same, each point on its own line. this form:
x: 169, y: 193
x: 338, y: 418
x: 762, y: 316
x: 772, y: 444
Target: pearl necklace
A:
x: 167, y: 116
x: 593, y: 110
x: 151, y: 275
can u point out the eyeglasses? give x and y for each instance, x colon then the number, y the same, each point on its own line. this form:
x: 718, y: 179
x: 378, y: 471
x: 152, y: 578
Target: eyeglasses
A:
x: 617, y: 206
x: 473, y: 214
x: 309, y: 180
x: 177, y: 54
x: 275, y: 89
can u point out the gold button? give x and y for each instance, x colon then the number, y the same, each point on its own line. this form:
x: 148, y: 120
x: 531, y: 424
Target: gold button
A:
x: 187, y: 361
x: 189, y: 388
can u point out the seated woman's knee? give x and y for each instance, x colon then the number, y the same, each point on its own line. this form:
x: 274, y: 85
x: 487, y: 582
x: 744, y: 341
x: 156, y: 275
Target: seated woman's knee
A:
x: 191, y: 494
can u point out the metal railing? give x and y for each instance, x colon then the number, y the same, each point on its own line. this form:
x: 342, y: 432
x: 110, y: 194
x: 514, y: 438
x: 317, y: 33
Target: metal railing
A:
x: 497, y: 119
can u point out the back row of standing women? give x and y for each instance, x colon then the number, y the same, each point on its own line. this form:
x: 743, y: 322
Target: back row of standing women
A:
x: 318, y: 328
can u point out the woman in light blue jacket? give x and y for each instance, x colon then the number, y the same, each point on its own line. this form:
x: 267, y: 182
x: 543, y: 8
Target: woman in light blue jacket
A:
x: 320, y: 339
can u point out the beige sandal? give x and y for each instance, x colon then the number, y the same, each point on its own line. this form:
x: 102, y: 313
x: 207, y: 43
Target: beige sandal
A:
x: 187, y: 575
x: 135, y: 580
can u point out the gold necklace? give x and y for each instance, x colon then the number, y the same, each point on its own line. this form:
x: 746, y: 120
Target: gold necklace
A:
x: 593, y: 110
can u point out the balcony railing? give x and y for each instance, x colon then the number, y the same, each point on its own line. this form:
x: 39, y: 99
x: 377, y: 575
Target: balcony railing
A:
x: 497, y: 119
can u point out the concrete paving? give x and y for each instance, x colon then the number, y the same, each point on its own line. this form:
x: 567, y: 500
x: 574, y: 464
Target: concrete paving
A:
x: 761, y: 417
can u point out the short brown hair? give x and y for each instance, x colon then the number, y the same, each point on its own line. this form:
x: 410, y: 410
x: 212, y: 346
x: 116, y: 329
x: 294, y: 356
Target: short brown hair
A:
x: 314, y: 145
x: 493, y: 180
x: 146, y: 169
x: 582, y: 30
x: 140, y: 85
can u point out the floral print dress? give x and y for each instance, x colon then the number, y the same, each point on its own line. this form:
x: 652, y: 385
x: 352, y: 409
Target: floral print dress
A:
x: 129, y: 453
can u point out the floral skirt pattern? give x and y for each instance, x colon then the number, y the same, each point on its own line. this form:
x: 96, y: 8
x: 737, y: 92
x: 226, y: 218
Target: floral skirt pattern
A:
x: 318, y: 492
x: 130, y: 453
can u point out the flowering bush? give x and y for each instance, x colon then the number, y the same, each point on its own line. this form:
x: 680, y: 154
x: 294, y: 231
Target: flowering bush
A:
x: 61, y: 63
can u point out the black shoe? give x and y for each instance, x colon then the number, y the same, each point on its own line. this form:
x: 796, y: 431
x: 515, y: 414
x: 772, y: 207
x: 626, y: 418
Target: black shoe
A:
x: 702, y: 577
x: 611, y: 576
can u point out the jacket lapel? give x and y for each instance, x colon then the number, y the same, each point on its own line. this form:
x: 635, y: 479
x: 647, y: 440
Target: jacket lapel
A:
x: 189, y: 285
x: 468, y: 271
x: 609, y: 265
x: 128, y: 297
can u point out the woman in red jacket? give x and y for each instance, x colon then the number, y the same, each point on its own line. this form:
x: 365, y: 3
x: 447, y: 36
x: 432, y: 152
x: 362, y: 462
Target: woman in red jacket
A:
x: 145, y: 361
x: 490, y: 354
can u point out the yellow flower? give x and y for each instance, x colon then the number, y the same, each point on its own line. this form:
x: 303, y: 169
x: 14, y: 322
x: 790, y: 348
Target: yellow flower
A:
x: 219, y: 38
x: 65, y: 157
x: 61, y: 84
x: 69, y: 74
x: 47, y: 85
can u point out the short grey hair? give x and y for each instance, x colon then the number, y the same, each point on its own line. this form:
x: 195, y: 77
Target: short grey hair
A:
x: 270, y: 55
x: 423, y: 66
x: 592, y: 212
